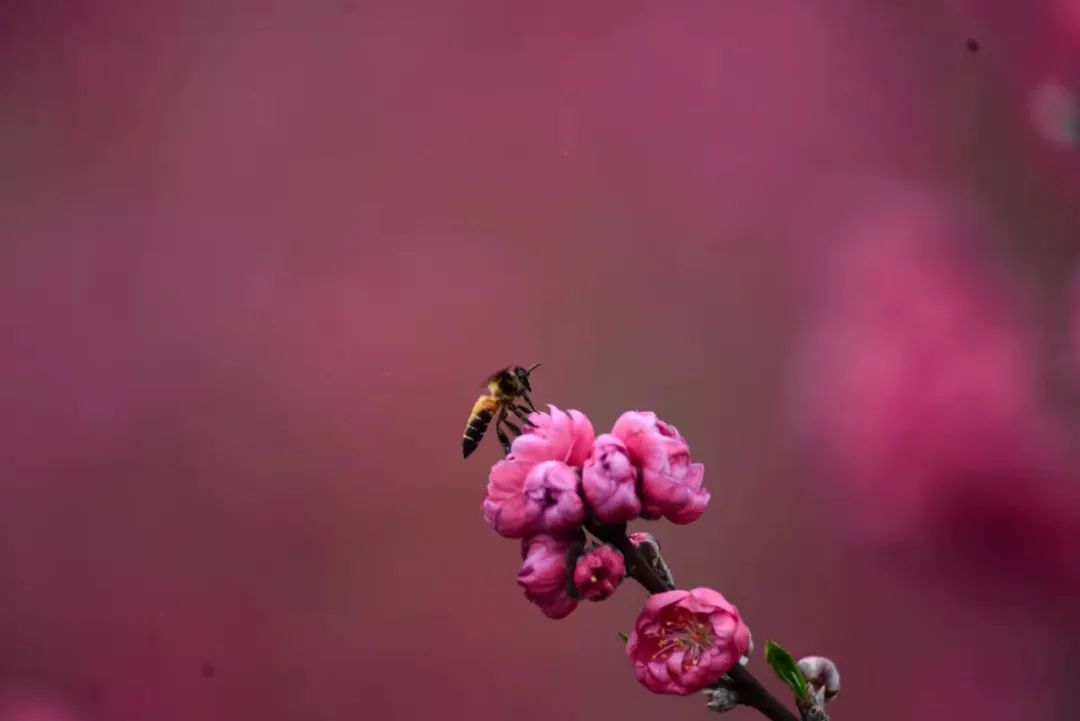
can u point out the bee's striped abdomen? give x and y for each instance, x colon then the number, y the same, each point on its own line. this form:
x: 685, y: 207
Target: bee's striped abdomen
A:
x: 482, y: 413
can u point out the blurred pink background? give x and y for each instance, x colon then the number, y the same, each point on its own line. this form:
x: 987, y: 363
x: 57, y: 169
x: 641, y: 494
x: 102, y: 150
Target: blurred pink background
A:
x: 256, y: 258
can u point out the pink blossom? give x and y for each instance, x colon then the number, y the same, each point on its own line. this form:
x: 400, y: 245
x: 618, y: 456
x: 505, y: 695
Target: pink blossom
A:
x: 598, y: 572
x: 671, y: 486
x: 543, y: 500
x: 609, y: 481
x: 925, y: 384
x: 506, y: 507
x: 545, y: 571
x: 552, y: 490
x: 535, y: 488
x: 558, y: 436
x: 684, y: 641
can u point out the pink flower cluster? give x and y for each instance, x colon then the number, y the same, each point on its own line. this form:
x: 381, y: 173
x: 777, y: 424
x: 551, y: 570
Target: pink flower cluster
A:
x: 560, y: 474
x: 560, y: 478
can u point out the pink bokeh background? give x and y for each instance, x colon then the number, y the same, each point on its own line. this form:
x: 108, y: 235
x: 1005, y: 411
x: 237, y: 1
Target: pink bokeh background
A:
x: 256, y: 257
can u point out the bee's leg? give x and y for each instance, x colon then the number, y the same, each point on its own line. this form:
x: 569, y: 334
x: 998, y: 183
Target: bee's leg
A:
x: 501, y: 433
x: 521, y: 413
x: 528, y: 401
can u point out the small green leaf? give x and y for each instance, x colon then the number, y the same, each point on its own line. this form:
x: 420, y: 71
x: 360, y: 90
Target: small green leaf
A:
x: 785, y: 667
x: 624, y: 637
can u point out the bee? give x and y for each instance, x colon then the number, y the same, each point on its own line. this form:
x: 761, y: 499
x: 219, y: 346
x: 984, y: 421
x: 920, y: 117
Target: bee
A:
x: 504, y: 388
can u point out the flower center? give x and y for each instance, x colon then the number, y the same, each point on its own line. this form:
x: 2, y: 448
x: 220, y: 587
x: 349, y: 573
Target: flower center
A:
x: 687, y: 633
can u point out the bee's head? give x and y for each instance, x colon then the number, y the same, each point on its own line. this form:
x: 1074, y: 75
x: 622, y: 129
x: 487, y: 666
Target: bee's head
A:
x: 523, y: 374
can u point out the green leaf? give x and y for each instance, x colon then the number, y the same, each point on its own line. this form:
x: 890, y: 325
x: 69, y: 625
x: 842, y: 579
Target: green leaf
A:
x: 785, y: 667
x: 624, y: 637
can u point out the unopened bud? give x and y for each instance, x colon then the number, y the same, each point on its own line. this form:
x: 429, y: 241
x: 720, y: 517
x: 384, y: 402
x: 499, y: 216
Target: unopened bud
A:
x: 649, y: 549
x: 720, y: 700
x: 598, y: 572
x: 822, y: 675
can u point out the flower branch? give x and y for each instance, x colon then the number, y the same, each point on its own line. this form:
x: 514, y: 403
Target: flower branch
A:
x: 738, y: 682
x: 560, y: 480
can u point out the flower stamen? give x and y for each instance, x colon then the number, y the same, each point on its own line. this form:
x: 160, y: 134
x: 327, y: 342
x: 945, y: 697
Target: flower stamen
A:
x: 686, y: 633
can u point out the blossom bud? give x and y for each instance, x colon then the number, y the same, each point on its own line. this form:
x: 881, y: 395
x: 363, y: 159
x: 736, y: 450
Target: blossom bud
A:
x: 649, y: 550
x: 544, y: 573
x: 598, y: 572
x: 822, y: 675
x: 671, y: 485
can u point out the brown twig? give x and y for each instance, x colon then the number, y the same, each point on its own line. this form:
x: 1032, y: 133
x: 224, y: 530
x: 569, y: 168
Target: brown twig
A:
x: 748, y: 689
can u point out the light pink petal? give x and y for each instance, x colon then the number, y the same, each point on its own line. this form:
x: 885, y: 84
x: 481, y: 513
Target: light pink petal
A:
x: 695, y: 476
x: 741, y: 639
x: 552, y: 486
x: 583, y: 436
x: 632, y: 643
x: 530, y: 449
x: 505, y: 480
x: 511, y: 519
x: 632, y: 423
x: 724, y: 625
x: 505, y: 506
x: 659, y: 601
x: 538, y: 422
x: 609, y: 482
x: 698, y: 676
x: 717, y: 664
x: 709, y: 600
x: 620, y: 506
x: 692, y: 510
x: 657, y: 672
x: 560, y: 435
x: 670, y: 431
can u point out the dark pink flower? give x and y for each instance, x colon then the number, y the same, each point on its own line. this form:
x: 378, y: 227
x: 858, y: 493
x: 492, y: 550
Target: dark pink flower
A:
x: 558, y: 436
x: 671, y: 486
x: 609, y: 481
x: 545, y: 571
x: 544, y: 499
x: 598, y: 572
x: 684, y: 641
x: 551, y: 490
